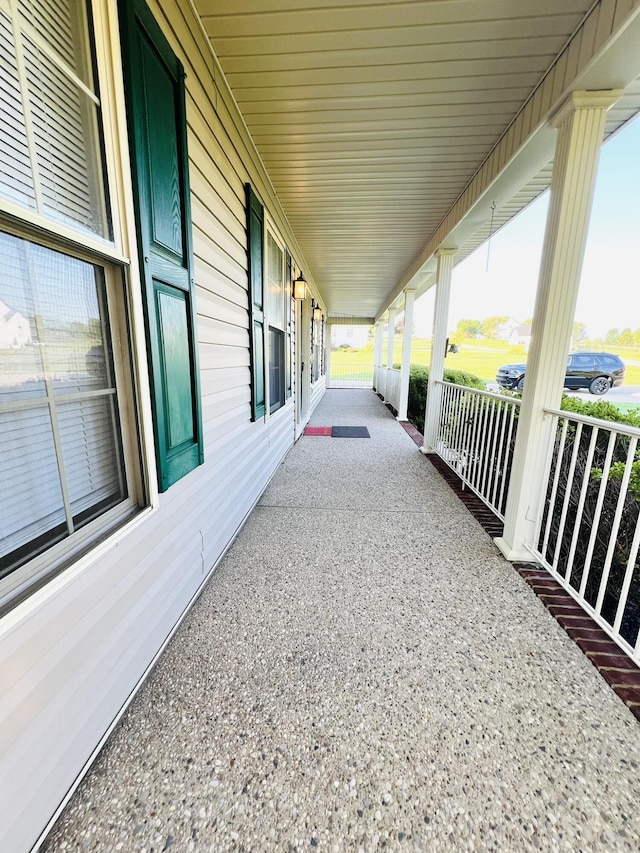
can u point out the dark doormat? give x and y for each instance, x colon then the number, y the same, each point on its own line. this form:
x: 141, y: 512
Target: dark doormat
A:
x: 349, y: 432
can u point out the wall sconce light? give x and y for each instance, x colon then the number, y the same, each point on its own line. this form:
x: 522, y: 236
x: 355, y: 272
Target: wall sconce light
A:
x: 317, y: 313
x: 300, y: 287
x: 450, y: 348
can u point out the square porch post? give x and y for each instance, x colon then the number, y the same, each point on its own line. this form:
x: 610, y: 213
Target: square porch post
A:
x: 409, y: 300
x: 327, y: 349
x: 377, y: 352
x: 393, y: 313
x: 580, y: 124
x: 444, y: 275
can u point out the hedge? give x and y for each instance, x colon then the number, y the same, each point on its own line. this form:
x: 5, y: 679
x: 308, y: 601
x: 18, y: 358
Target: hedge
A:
x: 418, y: 381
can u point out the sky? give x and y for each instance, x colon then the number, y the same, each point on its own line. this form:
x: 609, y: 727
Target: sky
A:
x: 609, y: 295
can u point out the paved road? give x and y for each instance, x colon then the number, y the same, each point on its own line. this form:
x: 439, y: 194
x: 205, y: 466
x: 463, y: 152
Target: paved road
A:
x: 622, y: 394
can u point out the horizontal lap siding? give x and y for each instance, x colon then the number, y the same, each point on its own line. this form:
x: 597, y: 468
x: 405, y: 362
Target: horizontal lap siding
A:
x: 317, y: 391
x: 71, y: 655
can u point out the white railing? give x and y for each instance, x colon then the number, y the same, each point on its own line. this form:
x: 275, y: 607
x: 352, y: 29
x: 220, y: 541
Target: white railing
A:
x: 392, y: 392
x: 589, y: 533
x: 380, y: 379
x: 475, y: 436
x: 353, y: 375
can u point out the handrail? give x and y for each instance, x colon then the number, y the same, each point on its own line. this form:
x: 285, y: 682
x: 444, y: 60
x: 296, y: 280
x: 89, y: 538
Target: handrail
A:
x: 632, y: 432
x: 589, y: 535
x: 475, y: 436
x: 491, y: 394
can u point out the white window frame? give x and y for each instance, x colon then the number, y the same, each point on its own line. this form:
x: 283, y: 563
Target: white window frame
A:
x: 126, y: 320
x: 270, y: 229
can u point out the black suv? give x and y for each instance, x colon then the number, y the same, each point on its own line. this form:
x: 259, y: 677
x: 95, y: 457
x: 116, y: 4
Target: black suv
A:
x: 597, y: 371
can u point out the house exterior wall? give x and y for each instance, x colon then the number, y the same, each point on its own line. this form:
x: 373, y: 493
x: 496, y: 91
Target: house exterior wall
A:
x: 72, y: 653
x: 317, y: 391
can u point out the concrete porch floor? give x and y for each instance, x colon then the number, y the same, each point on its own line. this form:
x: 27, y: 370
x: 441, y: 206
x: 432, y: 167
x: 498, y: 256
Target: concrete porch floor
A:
x: 364, y: 670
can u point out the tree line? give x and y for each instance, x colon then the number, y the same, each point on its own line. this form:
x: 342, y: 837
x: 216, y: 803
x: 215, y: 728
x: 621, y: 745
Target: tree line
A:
x: 494, y: 327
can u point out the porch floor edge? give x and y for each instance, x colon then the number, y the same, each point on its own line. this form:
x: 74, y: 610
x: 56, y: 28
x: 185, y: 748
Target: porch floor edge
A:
x: 618, y: 670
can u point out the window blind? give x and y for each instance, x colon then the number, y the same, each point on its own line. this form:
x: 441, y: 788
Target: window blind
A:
x: 64, y: 180
x: 16, y: 180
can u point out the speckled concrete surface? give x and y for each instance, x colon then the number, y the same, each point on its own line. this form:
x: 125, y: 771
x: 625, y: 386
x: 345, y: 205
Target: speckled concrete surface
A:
x: 364, y: 671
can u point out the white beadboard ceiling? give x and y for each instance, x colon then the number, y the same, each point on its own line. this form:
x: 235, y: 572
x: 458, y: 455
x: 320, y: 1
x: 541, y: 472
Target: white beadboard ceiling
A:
x: 372, y: 117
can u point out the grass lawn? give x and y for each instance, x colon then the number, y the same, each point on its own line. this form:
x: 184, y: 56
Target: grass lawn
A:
x: 482, y: 357
x: 624, y: 407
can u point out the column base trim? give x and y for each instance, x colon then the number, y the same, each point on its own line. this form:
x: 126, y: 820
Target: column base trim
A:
x: 514, y: 555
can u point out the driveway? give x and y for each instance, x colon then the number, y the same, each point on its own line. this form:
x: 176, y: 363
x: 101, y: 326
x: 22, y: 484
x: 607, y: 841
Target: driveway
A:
x: 621, y: 394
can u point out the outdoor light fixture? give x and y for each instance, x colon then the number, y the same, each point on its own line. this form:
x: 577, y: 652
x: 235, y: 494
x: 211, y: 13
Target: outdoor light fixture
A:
x: 450, y: 348
x: 300, y: 287
x: 317, y: 313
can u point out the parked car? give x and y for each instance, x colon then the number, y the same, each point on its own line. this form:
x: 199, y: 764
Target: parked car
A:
x: 597, y: 371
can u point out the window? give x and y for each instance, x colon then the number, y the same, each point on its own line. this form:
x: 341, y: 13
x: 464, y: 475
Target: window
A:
x: 274, y: 311
x: 59, y: 415
x: 255, y: 242
x: 67, y: 425
x: 317, y: 346
x: 276, y: 370
x: 276, y: 315
x: 51, y: 157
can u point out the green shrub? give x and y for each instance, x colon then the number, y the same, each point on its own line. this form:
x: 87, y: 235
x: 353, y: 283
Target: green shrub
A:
x: 602, y: 410
x: 608, y: 412
x: 418, y: 382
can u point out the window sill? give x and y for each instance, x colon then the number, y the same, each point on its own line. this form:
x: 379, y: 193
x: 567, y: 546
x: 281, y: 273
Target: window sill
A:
x: 30, y: 585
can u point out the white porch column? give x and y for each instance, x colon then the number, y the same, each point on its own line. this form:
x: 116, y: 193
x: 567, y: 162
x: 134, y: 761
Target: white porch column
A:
x: 444, y: 274
x: 393, y: 313
x: 377, y: 351
x: 409, y: 299
x: 580, y: 124
x: 327, y: 349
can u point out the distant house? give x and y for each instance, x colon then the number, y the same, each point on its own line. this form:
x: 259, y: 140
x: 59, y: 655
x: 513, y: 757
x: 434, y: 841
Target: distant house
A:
x: 521, y: 335
x: 515, y: 333
x: 350, y: 336
x: 14, y: 328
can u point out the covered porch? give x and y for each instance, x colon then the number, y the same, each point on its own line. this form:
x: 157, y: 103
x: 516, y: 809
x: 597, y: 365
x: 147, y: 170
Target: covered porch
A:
x: 227, y: 181
x: 364, y: 669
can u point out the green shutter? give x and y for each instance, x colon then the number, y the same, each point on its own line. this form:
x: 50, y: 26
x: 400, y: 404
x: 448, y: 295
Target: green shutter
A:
x: 157, y: 128
x: 255, y: 252
x: 287, y: 343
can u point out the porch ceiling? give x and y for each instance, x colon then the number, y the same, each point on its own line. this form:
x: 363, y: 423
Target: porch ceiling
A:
x: 372, y: 117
